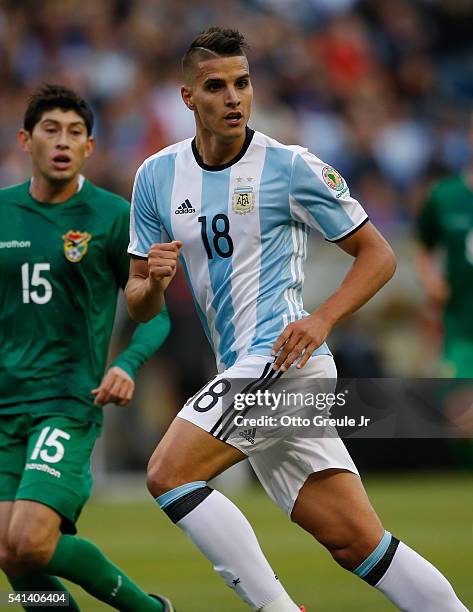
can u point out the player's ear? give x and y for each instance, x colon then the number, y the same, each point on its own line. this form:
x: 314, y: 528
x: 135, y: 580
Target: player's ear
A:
x: 186, y: 94
x: 23, y: 138
x: 90, y: 147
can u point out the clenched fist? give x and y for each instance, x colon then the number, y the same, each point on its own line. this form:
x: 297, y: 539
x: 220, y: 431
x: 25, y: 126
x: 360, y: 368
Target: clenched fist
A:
x: 162, y: 262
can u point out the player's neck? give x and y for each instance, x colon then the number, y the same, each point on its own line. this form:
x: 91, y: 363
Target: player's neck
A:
x: 214, y: 151
x: 53, y: 192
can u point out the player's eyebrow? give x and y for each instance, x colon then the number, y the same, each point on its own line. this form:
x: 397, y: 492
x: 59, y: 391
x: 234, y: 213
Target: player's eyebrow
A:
x: 56, y: 122
x: 213, y: 80
x: 220, y: 80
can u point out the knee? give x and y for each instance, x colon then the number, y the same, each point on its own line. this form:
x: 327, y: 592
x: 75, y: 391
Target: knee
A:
x: 346, y: 557
x: 161, y: 478
x: 6, y: 558
x: 351, y: 555
x: 28, y: 550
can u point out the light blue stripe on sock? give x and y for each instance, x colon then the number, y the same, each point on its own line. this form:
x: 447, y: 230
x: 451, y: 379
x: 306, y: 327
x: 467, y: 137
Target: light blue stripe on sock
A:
x: 375, y: 556
x: 170, y: 496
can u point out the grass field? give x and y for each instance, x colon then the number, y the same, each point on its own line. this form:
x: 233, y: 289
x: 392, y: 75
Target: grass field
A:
x: 432, y: 513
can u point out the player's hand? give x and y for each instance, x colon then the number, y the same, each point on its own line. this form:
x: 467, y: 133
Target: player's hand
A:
x: 162, y: 262
x: 299, y: 340
x: 437, y: 291
x: 117, y: 386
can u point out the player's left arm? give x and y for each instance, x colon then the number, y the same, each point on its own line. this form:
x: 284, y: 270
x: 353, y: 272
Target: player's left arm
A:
x: 428, y: 242
x: 118, y: 384
x: 374, y: 264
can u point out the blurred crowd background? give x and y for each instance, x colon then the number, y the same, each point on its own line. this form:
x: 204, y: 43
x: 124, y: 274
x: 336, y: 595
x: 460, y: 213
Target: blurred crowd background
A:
x: 381, y: 89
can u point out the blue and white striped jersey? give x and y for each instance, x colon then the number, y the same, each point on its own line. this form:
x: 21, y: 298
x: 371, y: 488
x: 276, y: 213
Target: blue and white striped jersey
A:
x: 244, y: 226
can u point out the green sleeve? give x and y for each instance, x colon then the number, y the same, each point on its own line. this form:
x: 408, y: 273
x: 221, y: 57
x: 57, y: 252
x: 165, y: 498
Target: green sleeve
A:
x: 146, y: 340
x: 119, y: 237
x: 427, y: 227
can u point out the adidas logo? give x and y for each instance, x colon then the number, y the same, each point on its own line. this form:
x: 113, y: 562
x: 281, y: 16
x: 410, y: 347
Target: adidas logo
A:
x: 185, y: 208
x: 248, y: 434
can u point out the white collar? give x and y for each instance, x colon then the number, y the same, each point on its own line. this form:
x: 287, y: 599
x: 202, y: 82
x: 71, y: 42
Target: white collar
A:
x: 80, y: 183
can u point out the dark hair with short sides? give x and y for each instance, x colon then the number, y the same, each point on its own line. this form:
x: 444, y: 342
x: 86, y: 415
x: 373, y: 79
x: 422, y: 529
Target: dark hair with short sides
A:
x: 48, y: 97
x: 215, y: 41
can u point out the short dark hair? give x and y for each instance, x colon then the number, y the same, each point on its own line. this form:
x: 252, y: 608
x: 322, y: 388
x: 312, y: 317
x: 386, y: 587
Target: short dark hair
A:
x: 48, y: 97
x: 214, y: 41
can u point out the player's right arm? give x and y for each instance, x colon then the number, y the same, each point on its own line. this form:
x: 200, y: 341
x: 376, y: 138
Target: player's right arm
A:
x: 149, y: 278
x: 153, y: 260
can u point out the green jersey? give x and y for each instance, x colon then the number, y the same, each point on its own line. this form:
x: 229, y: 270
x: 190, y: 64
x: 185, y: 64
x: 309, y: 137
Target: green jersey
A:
x: 446, y: 222
x: 61, y: 268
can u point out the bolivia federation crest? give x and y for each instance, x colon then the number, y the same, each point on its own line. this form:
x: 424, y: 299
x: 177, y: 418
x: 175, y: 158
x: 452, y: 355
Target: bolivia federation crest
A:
x: 243, y: 199
x: 75, y: 245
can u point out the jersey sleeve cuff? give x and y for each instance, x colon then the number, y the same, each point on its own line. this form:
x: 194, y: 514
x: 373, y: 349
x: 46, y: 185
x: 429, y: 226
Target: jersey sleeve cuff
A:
x: 124, y: 365
x: 137, y: 254
x: 349, y: 232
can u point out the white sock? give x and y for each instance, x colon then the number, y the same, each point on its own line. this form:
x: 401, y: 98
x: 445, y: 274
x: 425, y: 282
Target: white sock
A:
x: 415, y: 585
x: 226, y: 538
x: 281, y: 604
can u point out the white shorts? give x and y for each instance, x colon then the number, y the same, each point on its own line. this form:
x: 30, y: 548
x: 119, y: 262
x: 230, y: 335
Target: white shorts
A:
x: 282, y: 457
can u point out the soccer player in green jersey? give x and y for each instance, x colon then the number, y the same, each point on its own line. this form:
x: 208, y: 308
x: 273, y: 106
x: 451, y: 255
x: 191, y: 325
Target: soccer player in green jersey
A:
x: 63, y: 244
x: 445, y: 225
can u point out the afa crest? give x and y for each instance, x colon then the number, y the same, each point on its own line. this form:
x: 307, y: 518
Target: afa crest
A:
x: 243, y: 200
x: 75, y: 245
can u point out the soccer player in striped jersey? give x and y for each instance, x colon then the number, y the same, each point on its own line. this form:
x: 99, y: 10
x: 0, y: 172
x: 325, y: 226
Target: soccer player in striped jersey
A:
x: 237, y: 206
x: 63, y: 258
